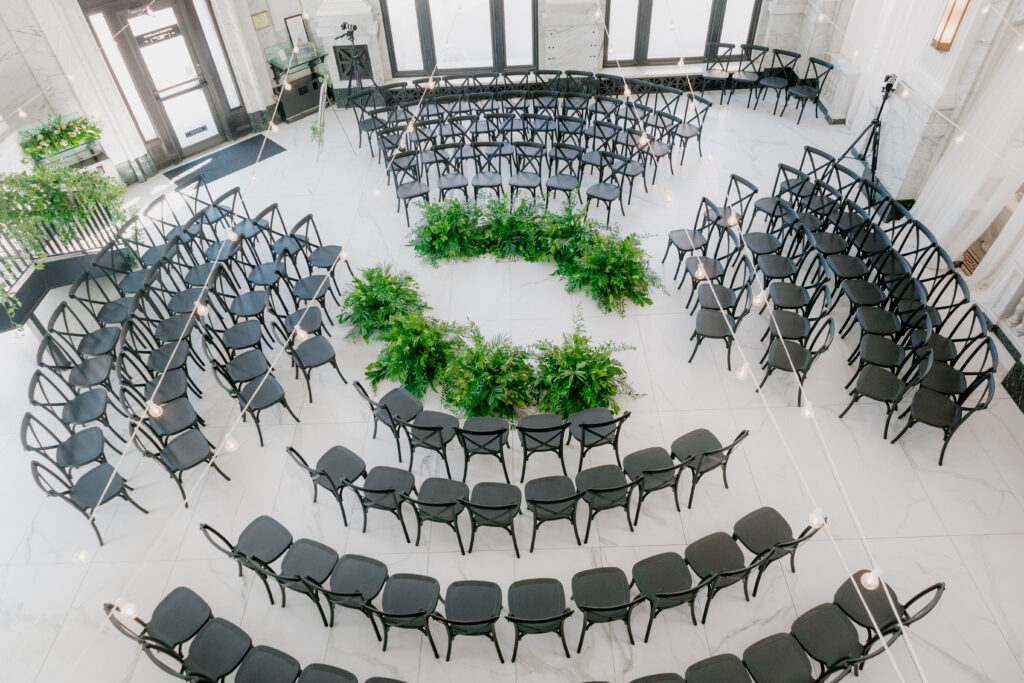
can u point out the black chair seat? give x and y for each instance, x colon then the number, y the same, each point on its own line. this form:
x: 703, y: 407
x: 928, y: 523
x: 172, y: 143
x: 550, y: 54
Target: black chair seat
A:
x: 169, y: 356
x: 873, y: 241
x: 801, y: 187
x: 592, y: 158
x: 774, y: 82
x: 761, y: 529
x: 534, y: 600
x: 945, y: 379
x: 314, y: 352
x: 660, y: 678
x: 325, y: 256
x: 85, y: 407
x: 451, y: 181
x: 496, y: 494
x: 340, y: 465
x: 264, y: 539
x: 725, y: 668
x: 308, y: 559
x: 417, y: 189
x: 400, y: 403
x: 602, y: 477
x: 562, y: 182
x: 247, y: 228
x: 713, y: 295
x: 408, y: 594
x: 213, y: 213
x: 310, y: 288
x: 659, y: 148
x: 654, y: 458
x: 446, y: 495
x: 688, y: 130
x: 133, y: 282
x: 393, y: 484
x: 265, y: 664
x: 591, y: 416
x: 249, y: 304
x: 432, y: 419
x: 360, y: 577
x: 178, y: 416
x: 487, y: 179
x: 184, y: 301
x: 172, y: 386
x: 715, y: 553
x: 525, y: 179
x: 472, y: 601
x: 778, y: 659
x: 114, y: 312
x: 826, y: 634
x: 605, y: 192
x: 829, y: 243
x: 600, y: 588
x: 185, y: 450
x: 91, y: 371
x: 173, y: 328
x: 687, y: 240
x: 776, y: 266
x: 863, y: 293
x: 197, y: 276
x: 713, y: 268
x: 851, y: 598
x: 935, y: 409
x: 880, y: 384
x: 788, y: 355
x: 874, y: 320
x: 80, y: 448
x: 803, y: 92
x: 223, y: 250
x: 247, y: 366
x: 762, y: 243
x: 550, y: 488
x: 942, y: 348
x: 771, y: 205
x: 92, y: 488
x: 788, y: 295
x: 242, y: 335
x: 99, y: 342
x: 288, y: 244
x: 309, y: 318
x: 880, y: 351
x: 716, y: 75
x: 325, y: 673
x: 846, y: 267
x: 662, y: 574
x: 694, y: 443
x: 178, y: 617
x: 745, y: 77
x: 217, y: 649
x: 261, y: 393
x: 539, y: 421
x: 789, y: 325
x: 714, y: 324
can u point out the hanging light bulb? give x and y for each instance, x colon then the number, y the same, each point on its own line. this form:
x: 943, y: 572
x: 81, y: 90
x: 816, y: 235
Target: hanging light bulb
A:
x: 985, y: 9
x: 305, y: 15
x: 447, y: 45
x: 700, y: 273
x: 856, y: 53
x: 376, y: 192
x: 733, y: 219
x: 300, y: 334
x: 821, y: 17
x: 233, y: 236
x: 286, y: 85
x: 431, y: 83
x: 129, y: 610
x: 644, y: 140
x: 149, y: 9
x: 295, y: 49
x: 626, y: 92
x: 711, y: 157
x: 273, y: 127
x: 202, y: 310
x: 80, y: 556
x: 759, y: 299
x: 1, y: 117
x: 959, y: 138
x: 154, y: 409
x: 668, y: 199
x: 817, y: 519
x: 410, y: 128
x: 21, y: 113
x: 597, y: 13
x: 870, y: 580
x: 671, y: 25
x: 906, y: 93
x: 807, y: 411
x: 343, y: 255
x: 743, y: 371
x: 230, y: 443
x: 1020, y: 48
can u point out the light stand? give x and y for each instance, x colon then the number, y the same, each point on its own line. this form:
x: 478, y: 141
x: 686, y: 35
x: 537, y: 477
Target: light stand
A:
x: 873, y: 132
x: 356, y: 68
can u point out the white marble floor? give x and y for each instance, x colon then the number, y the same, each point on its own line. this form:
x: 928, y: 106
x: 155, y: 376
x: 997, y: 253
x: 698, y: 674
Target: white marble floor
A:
x: 962, y: 523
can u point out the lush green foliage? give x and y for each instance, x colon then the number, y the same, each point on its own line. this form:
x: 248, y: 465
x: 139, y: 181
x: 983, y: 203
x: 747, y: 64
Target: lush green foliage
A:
x: 578, y: 374
x: 613, y: 270
x: 376, y: 298
x: 56, y: 134
x: 489, y: 377
x: 416, y: 352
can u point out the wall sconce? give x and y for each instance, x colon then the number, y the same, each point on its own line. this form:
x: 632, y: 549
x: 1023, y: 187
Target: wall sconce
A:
x: 949, y: 24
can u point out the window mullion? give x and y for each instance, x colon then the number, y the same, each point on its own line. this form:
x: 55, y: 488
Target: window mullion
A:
x: 715, y: 25
x: 643, y: 31
x: 427, y: 46
x: 498, y: 51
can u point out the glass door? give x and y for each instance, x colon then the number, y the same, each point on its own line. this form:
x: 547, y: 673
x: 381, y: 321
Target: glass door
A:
x: 176, y: 78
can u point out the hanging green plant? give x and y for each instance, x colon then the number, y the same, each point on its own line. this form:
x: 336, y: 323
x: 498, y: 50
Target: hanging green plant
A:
x: 416, y: 352
x: 57, y: 134
x: 376, y: 297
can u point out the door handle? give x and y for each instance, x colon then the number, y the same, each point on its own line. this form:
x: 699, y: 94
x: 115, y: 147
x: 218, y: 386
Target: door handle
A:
x: 201, y: 83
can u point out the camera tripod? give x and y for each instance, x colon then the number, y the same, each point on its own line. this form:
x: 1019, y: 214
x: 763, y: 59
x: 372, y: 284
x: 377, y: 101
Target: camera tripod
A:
x: 873, y: 133
x: 356, y: 68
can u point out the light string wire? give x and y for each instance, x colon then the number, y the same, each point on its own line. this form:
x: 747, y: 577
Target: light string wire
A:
x: 832, y: 467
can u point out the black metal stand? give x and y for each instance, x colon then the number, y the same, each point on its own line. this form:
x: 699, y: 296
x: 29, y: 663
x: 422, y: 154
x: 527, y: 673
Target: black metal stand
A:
x: 356, y: 68
x: 873, y: 132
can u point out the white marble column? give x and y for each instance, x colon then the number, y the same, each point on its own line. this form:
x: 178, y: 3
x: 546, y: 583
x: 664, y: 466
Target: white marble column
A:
x: 570, y: 34
x: 781, y: 24
x: 243, y: 49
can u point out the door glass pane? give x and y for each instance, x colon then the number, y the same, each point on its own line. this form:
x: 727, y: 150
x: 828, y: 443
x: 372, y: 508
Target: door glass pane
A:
x: 679, y: 29
x: 124, y: 80
x: 518, y: 33
x: 405, y: 35
x: 736, y: 25
x: 462, y: 38
x: 168, y: 60
x: 220, y: 60
x: 191, y: 117
x: 622, y: 17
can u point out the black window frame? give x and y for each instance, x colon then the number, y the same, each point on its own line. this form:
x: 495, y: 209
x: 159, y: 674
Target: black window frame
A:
x: 429, y: 50
x: 643, y: 34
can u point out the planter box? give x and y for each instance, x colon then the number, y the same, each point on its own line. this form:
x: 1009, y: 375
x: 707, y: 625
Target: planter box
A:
x: 79, y: 155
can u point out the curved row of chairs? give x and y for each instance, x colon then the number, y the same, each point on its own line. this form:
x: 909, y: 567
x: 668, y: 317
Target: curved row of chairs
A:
x: 190, y: 282
x: 827, y: 234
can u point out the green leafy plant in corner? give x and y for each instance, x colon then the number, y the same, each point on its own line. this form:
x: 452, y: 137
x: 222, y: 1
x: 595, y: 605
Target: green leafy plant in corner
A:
x: 578, y: 374
x: 488, y: 377
x: 612, y: 270
x: 376, y: 298
x: 416, y: 352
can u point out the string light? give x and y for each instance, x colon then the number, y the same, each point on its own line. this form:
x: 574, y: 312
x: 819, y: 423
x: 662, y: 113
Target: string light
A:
x: 701, y: 273
x: 376, y: 192
x: 273, y: 127
x: 743, y: 371
x: 232, y: 235
x: 871, y: 580
x: 295, y: 49
x: 644, y: 140
x: 301, y: 334
x: 431, y: 83
x: 80, y: 556
x: 286, y: 85
x: 985, y: 9
x: 1020, y: 48
x: 202, y: 310
x: 129, y: 610
x: 959, y: 138
x: 807, y: 410
x: 821, y: 17
x: 668, y: 199
x: 343, y: 255
x: 21, y: 113
x: 733, y: 219
x: 760, y: 299
x: 626, y: 92
x: 154, y: 409
x: 230, y: 443
x: 817, y: 519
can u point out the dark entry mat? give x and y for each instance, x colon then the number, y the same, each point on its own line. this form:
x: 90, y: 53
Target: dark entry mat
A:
x: 226, y: 161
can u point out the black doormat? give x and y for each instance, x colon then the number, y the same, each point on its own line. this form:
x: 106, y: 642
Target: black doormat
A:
x: 226, y: 161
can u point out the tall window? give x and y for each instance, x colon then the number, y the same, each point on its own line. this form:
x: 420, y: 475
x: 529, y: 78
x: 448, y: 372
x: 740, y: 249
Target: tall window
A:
x: 665, y: 31
x: 460, y: 35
